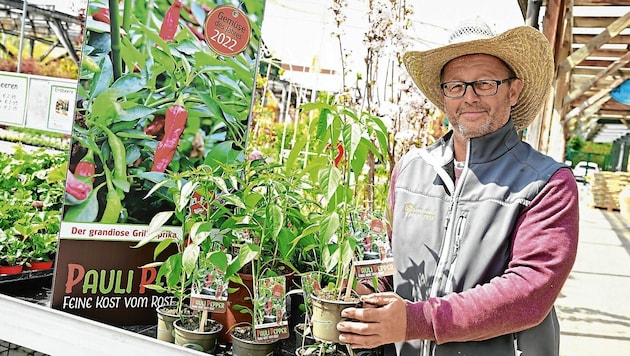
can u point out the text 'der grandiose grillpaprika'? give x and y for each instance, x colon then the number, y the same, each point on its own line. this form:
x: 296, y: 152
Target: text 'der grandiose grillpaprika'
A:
x: 171, y: 21
x: 176, y: 117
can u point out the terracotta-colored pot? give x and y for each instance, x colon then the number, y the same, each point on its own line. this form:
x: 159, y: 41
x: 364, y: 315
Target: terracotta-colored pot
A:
x: 17, y: 269
x: 240, y: 297
x: 38, y: 265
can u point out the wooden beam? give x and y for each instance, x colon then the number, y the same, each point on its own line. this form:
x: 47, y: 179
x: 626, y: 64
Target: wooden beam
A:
x: 593, y: 22
x: 611, y: 31
x: 555, y: 127
x: 304, y: 69
x: 594, y: 71
x: 593, y: 100
x: 609, y: 52
x: 601, y: 63
x: 604, y: 73
x: 553, y: 24
x: 522, y: 4
x: 613, y: 106
x: 592, y: 109
x: 585, y: 39
x: 601, y: 3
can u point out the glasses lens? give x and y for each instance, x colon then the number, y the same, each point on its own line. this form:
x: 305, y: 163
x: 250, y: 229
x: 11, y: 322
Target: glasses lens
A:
x: 485, y: 87
x: 454, y: 89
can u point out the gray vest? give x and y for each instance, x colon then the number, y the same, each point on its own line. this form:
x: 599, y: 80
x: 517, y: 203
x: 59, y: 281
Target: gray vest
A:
x: 451, y: 238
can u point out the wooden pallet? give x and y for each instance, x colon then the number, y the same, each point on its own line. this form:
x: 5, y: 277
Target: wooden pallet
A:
x: 605, y: 189
x: 607, y: 208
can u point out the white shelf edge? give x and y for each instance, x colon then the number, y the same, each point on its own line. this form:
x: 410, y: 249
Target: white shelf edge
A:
x: 54, y: 332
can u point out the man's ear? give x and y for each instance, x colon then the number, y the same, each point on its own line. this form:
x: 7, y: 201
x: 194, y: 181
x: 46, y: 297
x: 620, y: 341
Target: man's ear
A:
x: 515, y: 90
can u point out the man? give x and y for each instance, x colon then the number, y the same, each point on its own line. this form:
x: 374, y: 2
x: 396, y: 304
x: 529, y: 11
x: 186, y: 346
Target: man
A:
x: 484, y: 228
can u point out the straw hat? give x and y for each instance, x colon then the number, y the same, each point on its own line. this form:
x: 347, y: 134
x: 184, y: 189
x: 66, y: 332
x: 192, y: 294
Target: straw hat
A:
x: 524, y: 49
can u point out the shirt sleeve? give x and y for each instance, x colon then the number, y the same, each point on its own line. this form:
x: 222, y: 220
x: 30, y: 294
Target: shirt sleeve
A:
x: 544, y: 249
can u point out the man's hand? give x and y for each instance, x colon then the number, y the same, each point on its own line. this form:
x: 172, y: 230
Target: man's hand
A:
x: 382, y: 320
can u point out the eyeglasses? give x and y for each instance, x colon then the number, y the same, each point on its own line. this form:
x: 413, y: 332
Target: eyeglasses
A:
x: 484, y: 87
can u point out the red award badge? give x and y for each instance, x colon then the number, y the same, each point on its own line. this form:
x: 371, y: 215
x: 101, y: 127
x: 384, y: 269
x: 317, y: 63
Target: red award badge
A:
x: 227, y: 30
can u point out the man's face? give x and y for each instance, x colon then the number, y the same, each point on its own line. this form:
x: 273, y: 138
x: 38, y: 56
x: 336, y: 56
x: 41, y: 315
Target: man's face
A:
x: 472, y: 115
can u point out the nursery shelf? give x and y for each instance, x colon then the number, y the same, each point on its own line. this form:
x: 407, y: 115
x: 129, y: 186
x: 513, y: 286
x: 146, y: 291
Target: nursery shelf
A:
x: 4, y: 278
x: 54, y: 332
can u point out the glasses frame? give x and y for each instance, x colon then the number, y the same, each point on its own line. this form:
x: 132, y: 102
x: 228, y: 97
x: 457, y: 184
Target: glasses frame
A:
x: 472, y: 85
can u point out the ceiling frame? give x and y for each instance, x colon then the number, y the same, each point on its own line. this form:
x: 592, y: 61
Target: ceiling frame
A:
x: 591, y: 42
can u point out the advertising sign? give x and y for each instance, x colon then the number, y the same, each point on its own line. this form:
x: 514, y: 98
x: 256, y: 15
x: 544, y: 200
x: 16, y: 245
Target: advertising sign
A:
x: 13, y: 93
x: 154, y: 101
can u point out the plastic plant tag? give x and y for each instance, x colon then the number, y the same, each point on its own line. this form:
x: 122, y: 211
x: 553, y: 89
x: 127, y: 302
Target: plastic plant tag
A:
x: 377, y: 253
x: 209, y: 291
x: 270, y: 309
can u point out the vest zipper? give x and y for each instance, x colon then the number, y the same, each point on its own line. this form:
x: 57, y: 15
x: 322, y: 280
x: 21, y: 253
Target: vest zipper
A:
x: 425, y: 348
x: 459, y: 232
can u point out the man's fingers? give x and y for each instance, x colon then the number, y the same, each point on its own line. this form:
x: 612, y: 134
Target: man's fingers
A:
x: 357, y: 340
x: 363, y: 314
x: 379, y: 299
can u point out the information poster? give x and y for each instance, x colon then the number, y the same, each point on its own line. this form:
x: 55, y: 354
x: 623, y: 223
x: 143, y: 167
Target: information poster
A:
x: 62, y: 102
x: 13, y: 94
x: 154, y: 100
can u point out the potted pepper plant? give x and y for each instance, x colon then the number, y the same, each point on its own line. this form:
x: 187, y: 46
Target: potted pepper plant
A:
x: 179, y: 271
x: 342, y: 140
x: 271, y: 215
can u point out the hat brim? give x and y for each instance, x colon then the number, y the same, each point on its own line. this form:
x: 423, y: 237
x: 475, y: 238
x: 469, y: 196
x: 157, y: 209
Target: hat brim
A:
x: 524, y: 49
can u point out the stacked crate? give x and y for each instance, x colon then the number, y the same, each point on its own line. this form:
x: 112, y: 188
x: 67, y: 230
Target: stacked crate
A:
x: 605, y: 189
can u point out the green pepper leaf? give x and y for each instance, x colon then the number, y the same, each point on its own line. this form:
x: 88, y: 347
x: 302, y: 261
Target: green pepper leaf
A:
x: 84, y: 212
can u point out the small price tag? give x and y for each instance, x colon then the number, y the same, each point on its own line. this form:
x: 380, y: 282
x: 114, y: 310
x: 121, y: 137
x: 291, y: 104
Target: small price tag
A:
x: 227, y: 30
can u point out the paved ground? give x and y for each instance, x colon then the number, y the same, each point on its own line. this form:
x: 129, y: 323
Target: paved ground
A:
x: 594, y: 306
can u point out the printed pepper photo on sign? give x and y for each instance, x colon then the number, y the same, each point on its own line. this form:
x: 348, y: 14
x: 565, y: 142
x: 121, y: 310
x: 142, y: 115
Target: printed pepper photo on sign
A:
x: 154, y: 106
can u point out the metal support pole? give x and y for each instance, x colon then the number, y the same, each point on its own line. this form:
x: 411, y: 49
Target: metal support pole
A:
x: 23, y: 26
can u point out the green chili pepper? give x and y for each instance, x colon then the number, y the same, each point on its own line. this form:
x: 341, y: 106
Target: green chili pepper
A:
x: 113, y: 208
x: 89, y: 63
x: 118, y: 153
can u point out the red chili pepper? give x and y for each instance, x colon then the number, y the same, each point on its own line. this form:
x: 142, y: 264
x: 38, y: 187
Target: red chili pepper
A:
x: 77, y: 188
x: 85, y: 169
x: 176, y: 117
x: 171, y: 20
x: 101, y: 15
x: 196, y: 32
x: 340, y: 152
x: 156, y: 127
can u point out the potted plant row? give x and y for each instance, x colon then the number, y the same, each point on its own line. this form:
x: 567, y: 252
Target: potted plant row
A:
x: 19, y: 252
x: 263, y: 219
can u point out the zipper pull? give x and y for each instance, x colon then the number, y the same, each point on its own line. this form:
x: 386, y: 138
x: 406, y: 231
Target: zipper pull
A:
x: 461, y: 221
